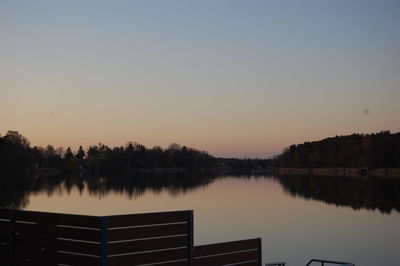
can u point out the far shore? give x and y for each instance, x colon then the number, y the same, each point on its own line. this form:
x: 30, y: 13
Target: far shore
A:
x: 340, y: 171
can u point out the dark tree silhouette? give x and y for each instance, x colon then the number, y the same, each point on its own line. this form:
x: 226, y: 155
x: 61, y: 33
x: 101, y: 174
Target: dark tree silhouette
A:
x: 80, y: 154
x: 68, y: 154
x: 356, y: 150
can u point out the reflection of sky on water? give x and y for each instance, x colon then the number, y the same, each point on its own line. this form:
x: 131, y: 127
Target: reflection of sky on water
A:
x: 292, y: 228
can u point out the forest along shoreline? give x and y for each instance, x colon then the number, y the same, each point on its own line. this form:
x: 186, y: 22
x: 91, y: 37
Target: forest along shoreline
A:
x: 352, y: 155
x: 340, y: 171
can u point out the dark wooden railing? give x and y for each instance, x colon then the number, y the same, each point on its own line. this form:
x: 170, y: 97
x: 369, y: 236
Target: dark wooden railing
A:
x: 6, y: 236
x: 243, y: 253
x: 150, y: 238
x: 30, y: 238
x: 51, y: 239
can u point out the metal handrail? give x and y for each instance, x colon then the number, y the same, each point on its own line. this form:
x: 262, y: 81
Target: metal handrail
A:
x: 280, y: 263
x: 330, y: 262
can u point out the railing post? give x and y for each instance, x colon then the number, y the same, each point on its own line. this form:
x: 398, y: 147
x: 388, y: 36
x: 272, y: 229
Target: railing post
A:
x: 190, y: 239
x: 12, y: 238
x: 104, y: 241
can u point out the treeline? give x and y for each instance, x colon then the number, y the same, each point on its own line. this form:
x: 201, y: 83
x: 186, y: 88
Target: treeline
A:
x: 17, y: 157
x: 380, y: 150
x: 101, y: 158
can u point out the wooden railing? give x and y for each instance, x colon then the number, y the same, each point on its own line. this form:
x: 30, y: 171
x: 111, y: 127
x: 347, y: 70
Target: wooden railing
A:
x: 243, y: 252
x: 49, y: 238
x: 150, y: 238
x: 6, y: 236
x: 30, y: 238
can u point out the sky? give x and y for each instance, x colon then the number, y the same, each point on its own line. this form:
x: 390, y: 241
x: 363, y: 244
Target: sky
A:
x: 235, y: 78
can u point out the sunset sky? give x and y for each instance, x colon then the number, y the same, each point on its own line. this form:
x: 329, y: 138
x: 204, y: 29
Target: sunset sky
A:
x: 236, y: 78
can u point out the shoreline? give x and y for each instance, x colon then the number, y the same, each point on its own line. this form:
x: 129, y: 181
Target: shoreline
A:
x: 339, y: 171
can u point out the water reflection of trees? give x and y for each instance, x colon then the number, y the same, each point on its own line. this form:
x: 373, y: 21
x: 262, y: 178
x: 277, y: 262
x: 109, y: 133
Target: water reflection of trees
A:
x: 135, y: 186
x: 358, y: 193
x: 15, y: 192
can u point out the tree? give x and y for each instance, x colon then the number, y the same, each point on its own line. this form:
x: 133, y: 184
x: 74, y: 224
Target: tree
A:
x: 80, y: 154
x: 15, y: 154
x: 16, y: 138
x: 68, y: 154
x: 174, y: 147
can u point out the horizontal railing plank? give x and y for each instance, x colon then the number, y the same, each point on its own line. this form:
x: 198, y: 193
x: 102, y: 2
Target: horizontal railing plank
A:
x: 147, y: 232
x: 149, y: 257
x: 174, y: 263
x: 6, y: 214
x: 29, y: 251
x: 5, y: 240
x: 58, y: 219
x: 59, y: 245
x: 5, y: 228
x: 226, y: 247
x: 251, y: 263
x: 79, y: 247
x: 147, y: 218
x: 224, y: 259
x: 44, y: 256
x: 55, y: 258
x: 34, y: 256
x: 49, y: 231
x: 4, y: 250
x: 77, y: 260
x: 20, y: 261
x: 146, y: 245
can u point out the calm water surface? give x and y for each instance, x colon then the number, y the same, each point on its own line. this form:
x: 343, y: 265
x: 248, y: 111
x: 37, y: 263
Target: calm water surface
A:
x: 298, y: 218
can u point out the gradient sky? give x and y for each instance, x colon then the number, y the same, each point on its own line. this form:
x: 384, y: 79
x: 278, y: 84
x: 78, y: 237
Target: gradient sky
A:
x: 235, y: 78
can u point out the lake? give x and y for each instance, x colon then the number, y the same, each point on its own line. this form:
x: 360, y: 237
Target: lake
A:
x: 298, y: 218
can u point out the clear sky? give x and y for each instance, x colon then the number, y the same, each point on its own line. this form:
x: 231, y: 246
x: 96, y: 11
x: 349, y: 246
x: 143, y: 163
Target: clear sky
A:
x: 235, y: 78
